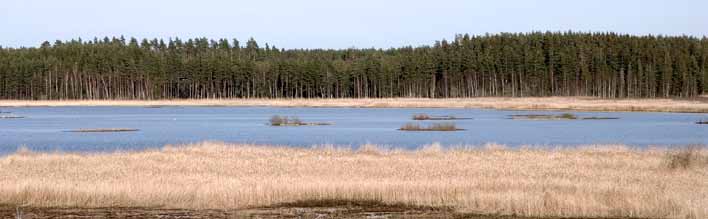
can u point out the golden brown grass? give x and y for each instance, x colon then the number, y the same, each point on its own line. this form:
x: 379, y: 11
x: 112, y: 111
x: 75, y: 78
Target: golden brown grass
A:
x: 590, y: 181
x: 686, y: 157
x: 526, y: 103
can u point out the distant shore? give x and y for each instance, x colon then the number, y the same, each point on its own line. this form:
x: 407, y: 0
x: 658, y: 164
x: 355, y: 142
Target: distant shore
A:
x: 215, y: 179
x: 694, y: 105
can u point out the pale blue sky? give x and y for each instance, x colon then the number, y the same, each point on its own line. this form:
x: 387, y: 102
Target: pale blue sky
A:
x: 338, y: 24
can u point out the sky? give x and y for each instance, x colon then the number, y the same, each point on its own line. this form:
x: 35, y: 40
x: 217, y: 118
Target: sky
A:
x: 338, y: 24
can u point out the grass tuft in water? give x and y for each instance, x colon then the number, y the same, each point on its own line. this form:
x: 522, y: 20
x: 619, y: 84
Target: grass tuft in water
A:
x: 278, y: 120
x: 567, y: 116
x: 423, y: 116
x: 599, y: 118
x: 564, y: 116
x: 444, y: 126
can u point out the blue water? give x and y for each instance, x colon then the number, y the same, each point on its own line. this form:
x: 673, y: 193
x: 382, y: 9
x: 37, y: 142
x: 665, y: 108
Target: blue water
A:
x: 44, y: 128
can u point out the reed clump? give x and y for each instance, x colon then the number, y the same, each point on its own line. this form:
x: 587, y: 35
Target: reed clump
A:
x: 567, y: 116
x: 686, y: 157
x: 593, y: 181
x: 599, y: 118
x: 278, y: 120
x: 423, y: 116
x: 443, y: 126
x: 564, y: 116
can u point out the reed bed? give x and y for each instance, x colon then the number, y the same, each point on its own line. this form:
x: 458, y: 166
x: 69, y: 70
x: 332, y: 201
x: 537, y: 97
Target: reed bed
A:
x: 587, y: 181
x: 697, y: 105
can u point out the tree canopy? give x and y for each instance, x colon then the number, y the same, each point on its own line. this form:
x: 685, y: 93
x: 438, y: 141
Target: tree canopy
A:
x: 607, y: 65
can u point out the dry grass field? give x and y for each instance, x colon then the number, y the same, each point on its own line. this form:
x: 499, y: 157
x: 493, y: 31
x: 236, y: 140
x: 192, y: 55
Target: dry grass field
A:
x: 588, y: 181
x: 696, y: 105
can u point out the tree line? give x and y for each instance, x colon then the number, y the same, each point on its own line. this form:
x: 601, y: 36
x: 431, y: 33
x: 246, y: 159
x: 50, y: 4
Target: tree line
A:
x: 606, y: 65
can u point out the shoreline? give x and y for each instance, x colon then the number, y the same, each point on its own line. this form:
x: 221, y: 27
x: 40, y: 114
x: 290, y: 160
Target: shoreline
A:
x: 344, y: 209
x: 304, y: 209
x: 593, y: 181
x: 695, y: 105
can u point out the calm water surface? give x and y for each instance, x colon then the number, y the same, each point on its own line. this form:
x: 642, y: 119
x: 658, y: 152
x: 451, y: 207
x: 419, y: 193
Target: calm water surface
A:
x: 44, y: 128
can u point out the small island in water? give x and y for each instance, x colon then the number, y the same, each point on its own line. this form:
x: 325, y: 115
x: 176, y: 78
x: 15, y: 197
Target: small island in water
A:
x: 443, y: 127
x: 277, y: 120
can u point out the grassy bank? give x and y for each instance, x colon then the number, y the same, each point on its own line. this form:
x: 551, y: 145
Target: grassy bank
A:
x: 698, y: 105
x: 590, y: 181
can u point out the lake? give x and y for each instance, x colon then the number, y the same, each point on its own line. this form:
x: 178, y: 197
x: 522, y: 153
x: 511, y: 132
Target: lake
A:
x: 45, y: 128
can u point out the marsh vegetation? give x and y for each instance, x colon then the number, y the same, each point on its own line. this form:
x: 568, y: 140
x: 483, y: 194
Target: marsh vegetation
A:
x: 424, y: 116
x: 564, y: 116
x: 593, y: 181
x: 687, y: 157
x: 278, y: 120
x: 442, y: 126
x: 599, y: 118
